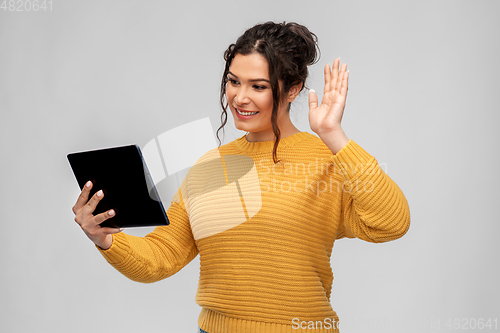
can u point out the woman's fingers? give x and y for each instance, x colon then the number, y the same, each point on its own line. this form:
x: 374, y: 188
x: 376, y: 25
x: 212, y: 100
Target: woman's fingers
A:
x: 84, y: 215
x: 83, y: 197
x: 336, y: 81
x: 99, y: 218
x: 89, y: 223
x: 335, y: 72
x: 92, y: 203
x: 345, y: 84
x: 97, y: 234
x: 340, y: 76
x: 313, y: 100
x: 328, y: 74
x: 111, y: 231
x: 334, y: 77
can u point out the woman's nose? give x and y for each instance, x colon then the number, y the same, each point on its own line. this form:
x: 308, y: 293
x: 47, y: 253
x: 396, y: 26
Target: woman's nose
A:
x: 241, y: 98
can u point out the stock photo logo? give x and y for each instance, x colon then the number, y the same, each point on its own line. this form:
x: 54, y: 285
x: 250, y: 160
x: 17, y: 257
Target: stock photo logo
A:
x: 219, y: 191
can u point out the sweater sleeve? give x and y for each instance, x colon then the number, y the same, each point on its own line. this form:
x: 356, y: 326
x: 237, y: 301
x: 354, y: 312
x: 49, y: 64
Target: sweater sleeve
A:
x: 373, y: 207
x: 159, y: 254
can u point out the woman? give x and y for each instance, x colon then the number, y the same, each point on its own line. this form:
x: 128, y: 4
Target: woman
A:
x: 265, y: 234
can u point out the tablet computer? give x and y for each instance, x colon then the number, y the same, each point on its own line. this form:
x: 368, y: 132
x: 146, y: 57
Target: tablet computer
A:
x: 123, y: 176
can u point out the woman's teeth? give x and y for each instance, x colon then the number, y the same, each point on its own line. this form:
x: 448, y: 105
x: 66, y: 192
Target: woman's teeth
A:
x: 246, y: 113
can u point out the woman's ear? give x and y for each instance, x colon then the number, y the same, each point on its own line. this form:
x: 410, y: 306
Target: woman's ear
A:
x: 294, y: 92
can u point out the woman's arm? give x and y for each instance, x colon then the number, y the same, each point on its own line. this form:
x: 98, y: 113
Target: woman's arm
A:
x: 159, y: 254
x: 156, y: 256
x: 373, y: 206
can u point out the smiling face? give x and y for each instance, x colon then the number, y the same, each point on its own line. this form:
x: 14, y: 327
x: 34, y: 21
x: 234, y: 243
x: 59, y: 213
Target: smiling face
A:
x: 250, y: 98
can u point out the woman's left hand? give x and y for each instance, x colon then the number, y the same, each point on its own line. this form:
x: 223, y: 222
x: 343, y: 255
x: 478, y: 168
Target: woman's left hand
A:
x: 325, y: 119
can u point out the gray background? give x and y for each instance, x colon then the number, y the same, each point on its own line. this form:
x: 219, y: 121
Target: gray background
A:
x: 90, y: 74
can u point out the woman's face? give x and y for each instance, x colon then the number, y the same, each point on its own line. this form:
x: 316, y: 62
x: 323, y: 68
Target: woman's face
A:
x: 249, y: 95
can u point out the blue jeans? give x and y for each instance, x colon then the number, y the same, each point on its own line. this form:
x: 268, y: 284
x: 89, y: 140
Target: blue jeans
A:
x: 201, y: 331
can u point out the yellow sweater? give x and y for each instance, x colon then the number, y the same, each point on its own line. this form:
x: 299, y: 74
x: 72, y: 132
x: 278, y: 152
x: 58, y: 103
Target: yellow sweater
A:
x: 265, y: 232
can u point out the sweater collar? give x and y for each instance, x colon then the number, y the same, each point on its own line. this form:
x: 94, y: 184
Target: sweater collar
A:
x: 260, y: 146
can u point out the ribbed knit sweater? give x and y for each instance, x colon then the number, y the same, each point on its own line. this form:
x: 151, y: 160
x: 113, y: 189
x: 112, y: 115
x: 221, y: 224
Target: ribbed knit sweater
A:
x: 265, y: 232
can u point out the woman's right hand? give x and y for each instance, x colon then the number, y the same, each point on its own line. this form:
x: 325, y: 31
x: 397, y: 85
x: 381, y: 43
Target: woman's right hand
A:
x: 83, y: 209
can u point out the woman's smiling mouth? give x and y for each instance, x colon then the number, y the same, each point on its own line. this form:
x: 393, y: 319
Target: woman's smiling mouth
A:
x: 245, y: 113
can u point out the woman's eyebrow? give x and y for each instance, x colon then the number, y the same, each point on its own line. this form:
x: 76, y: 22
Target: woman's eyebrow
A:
x: 252, y: 80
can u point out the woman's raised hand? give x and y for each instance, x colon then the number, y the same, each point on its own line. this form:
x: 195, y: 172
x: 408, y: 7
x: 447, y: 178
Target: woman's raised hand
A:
x: 327, y: 116
x: 83, y: 209
x: 325, y: 119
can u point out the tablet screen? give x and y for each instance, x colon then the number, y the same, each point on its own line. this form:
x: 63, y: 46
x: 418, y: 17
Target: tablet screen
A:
x: 122, y: 174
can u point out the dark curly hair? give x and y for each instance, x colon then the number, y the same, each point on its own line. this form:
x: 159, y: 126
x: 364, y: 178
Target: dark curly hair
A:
x: 288, y: 48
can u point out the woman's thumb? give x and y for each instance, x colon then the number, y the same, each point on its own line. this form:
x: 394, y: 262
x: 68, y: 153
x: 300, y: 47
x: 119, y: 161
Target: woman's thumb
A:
x: 313, y: 99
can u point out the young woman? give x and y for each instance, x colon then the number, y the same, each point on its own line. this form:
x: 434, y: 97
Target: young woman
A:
x: 265, y: 211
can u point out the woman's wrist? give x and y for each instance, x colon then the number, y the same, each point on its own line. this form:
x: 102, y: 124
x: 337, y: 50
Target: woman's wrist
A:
x: 106, y: 244
x: 335, y: 140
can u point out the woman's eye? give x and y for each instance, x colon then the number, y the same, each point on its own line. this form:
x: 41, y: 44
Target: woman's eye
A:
x: 233, y: 82
x: 259, y: 87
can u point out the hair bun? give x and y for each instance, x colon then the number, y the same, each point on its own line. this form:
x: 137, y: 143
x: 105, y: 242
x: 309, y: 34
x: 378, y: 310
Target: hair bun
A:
x: 311, y: 48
